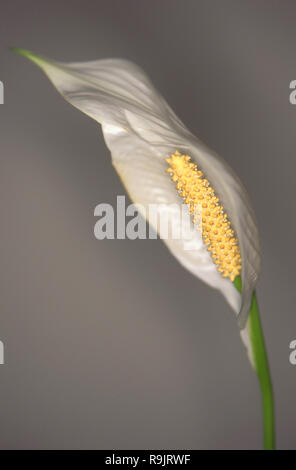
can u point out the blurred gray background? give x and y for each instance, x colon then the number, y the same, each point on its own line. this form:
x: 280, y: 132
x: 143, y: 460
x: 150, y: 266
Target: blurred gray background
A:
x: 112, y: 344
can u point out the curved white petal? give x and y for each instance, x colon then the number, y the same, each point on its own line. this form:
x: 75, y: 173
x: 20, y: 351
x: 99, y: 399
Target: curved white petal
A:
x: 141, y: 130
x: 147, y: 182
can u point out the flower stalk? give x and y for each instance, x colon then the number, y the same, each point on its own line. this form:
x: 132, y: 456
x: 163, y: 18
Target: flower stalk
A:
x: 262, y: 369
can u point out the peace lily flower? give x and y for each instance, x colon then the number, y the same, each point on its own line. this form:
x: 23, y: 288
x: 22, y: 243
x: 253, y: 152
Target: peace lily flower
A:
x: 160, y: 162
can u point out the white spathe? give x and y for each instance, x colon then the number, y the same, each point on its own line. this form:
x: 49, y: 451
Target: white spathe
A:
x: 141, y: 131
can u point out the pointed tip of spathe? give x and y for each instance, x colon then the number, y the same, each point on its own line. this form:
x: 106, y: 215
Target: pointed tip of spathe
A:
x: 21, y: 51
x: 28, y: 54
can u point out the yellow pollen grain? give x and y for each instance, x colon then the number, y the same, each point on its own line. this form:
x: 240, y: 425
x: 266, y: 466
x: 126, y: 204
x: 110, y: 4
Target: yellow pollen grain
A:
x: 217, y: 233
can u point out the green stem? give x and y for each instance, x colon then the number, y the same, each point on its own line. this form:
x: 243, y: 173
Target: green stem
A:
x: 262, y: 369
